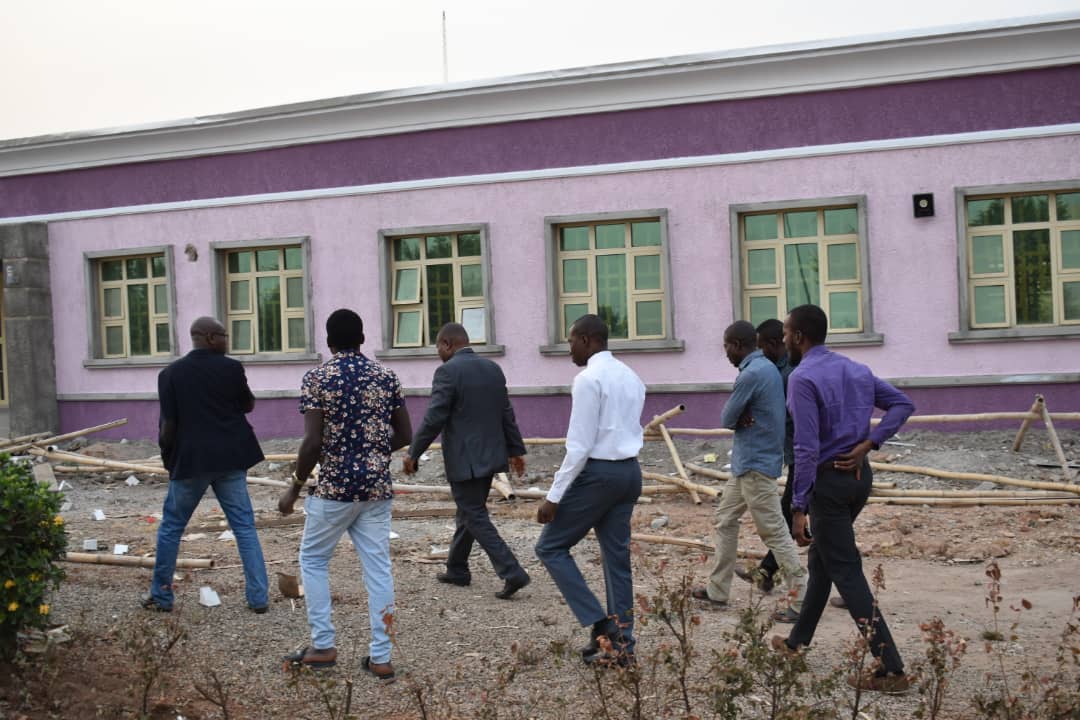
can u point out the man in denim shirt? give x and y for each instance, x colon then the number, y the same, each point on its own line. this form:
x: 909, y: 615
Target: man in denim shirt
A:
x: 756, y: 412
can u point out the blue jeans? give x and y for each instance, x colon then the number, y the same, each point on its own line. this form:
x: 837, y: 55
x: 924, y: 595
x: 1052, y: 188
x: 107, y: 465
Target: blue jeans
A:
x: 602, y: 499
x: 368, y: 525
x: 230, y: 489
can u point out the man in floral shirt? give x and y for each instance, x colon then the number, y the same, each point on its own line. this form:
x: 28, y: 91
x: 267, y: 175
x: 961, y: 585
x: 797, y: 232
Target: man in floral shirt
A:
x: 354, y: 418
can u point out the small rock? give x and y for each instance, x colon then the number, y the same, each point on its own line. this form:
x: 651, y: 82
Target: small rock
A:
x: 65, y: 506
x: 659, y: 522
x: 193, y: 536
x: 208, y: 597
x: 123, y: 441
x: 119, y: 549
x: 131, y: 481
x: 227, y: 535
x: 99, y: 514
x: 274, y: 466
x: 986, y: 486
x: 90, y: 544
x: 394, y: 535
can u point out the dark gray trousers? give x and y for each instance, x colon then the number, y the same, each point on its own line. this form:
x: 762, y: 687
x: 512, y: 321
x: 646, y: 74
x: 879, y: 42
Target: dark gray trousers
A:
x: 834, y: 559
x: 474, y: 524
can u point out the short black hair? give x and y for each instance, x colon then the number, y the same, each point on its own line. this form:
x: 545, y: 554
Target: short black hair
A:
x: 811, y: 321
x: 591, y: 326
x: 455, y: 333
x: 742, y: 331
x: 771, y: 329
x: 344, y: 330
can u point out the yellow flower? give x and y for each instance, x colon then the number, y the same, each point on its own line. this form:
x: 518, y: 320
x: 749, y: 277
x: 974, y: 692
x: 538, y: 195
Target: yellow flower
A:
x: 34, y: 577
x: 58, y: 520
x: 9, y: 583
x: 43, y: 609
x: 12, y: 607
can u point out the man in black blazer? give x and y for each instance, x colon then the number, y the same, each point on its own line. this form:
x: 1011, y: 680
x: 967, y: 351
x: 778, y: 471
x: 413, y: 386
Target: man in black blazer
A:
x: 470, y: 406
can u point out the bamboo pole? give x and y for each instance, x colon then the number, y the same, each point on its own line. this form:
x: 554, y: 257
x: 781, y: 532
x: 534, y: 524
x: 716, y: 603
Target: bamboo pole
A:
x: 1066, y: 471
x: 652, y: 425
x: 983, y: 417
x: 1034, y: 413
x: 708, y: 432
x: 21, y: 439
x: 99, y: 462
x: 66, y: 436
x: 678, y: 464
x: 694, y: 544
x: 91, y: 558
x: 708, y: 472
x: 502, y: 485
x: 681, y: 482
x: 963, y: 502
x: 976, y: 477
x: 991, y: 494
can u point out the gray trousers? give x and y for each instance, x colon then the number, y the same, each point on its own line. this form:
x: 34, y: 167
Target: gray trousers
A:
x: 601, y: 498
x: 473, y: 523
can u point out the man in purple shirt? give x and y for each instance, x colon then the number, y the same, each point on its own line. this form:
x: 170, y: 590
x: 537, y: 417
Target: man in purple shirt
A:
x: 831, y: 399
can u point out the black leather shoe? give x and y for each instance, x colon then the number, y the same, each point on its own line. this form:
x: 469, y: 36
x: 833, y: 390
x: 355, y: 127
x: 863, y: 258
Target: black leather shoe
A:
x: 453, y: 579
x: 147, y: 601
x: 512, y: 586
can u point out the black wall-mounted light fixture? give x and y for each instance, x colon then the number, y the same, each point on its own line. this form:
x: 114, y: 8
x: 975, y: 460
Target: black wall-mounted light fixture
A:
x: 923, y: 204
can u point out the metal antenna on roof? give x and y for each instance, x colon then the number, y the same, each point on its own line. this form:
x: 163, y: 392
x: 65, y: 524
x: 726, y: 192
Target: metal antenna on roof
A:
x: 445, y: 63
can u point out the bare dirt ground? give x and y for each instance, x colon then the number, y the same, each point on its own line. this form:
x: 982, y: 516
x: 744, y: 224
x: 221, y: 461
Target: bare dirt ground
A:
x: 453, y: 644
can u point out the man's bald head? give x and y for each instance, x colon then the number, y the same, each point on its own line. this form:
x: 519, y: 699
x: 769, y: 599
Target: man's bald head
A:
x: 451, y: 338
x: 209, y: 334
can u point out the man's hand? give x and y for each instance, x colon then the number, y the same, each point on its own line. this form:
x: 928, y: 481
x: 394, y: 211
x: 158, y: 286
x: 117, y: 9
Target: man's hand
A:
x: 799, y: 528
x: 745, y: 420
x: 853, y: 459
x: 408, y: 465
x: 517, y: 464
x: 546, y: 512
x: 287, y: 500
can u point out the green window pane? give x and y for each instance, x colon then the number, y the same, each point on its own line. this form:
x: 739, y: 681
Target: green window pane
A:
x: 161, y: 300
x: 645, y: 234
x: 406, y: 249
x: 650, y: 317
x: 240, y: 262
x: 841, y: 221
x: 163, y: 337
x: 112, y: 270
x: 468, y: 245
x: 240, y: 295
x: 407, y: 284
x: 157, y: 266
x: 440, y: 298
x: 760, y: 227
x: 1071, y: 300
x: 844, y: 310
x: 1068, y: 206
x: 297, y: 338
x: 113, y: 303
x: 989, y: 304
x: 575, y: 275
x: 1031, y: 265
x: 1070, y: 249
x: 472, y: 281
x: 136, y: 268
x: 294, y: 258
x: 240, y: 335
x: 439, y: 246
x: 800, y: 224
x: 294, y: 292
x: 1030, y: 208
x: 114, y: 340
x: 985, y: 212
x: 762, y: 309
x: 571, y: 313
x: 408, y: 329
x: 761, y: 266
x: 801, y: 274
x: 268, y: 297
x: 611, y: 294
x: 987, y: 255
x: 267, y: 260
x: 138, y: 301
x: 574, y: 238
x: 647, y: 272
x: 843, y: 262
x: 610, y: 236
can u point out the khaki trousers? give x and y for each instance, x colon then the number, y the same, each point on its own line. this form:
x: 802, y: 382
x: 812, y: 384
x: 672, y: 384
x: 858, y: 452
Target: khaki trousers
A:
x: 758, y: 493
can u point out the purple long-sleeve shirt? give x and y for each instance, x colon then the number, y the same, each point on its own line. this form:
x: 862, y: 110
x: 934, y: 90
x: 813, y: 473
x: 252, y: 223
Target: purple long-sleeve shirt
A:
x: 831, y: 399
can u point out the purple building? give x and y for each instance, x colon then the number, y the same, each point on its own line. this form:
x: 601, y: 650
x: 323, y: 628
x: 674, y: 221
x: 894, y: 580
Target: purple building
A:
x: 923, y: 188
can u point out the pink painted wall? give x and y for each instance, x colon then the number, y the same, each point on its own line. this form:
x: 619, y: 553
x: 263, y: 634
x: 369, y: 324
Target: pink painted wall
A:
x: 913, y: 261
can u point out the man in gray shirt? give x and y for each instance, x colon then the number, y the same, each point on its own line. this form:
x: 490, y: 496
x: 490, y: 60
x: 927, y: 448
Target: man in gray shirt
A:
x: 756, y: 412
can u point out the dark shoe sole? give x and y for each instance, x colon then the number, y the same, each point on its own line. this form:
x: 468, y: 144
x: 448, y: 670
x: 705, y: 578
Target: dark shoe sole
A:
x: 381, y: 677
x: 149, y: 603
x: 703, y: 595
x: 451, y: 580
x: 261, y: 610
x: 296, y: 660
x: 512, y: 587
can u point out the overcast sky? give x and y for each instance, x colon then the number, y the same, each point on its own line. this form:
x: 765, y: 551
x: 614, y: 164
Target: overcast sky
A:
x: 84, y: 64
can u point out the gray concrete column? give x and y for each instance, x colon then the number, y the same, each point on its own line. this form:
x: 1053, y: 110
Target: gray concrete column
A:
x: 28, y: 329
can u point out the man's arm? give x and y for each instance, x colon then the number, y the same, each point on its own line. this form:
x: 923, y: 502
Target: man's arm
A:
x: 401, y: 426
x: 438, y: 412
x: 802, y: 403
x: 306, y: 460
x: 738, y: 403
x: 247, y: 398
x: 580, y: 438
x: 166, y: 419
x: 897, y: 406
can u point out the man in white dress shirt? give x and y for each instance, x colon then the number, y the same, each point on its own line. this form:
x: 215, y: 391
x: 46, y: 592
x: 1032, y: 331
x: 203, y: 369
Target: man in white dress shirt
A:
x: 595, y: 489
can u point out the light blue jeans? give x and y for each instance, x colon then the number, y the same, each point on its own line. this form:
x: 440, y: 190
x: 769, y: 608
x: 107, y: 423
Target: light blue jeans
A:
x: 368, y: 525
x: 230, y: 489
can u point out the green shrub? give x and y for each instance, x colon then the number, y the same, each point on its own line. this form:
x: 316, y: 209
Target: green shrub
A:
x: 32, y: 540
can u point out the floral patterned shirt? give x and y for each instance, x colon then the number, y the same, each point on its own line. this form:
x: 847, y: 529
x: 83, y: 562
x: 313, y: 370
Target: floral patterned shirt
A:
x: 356, y: 396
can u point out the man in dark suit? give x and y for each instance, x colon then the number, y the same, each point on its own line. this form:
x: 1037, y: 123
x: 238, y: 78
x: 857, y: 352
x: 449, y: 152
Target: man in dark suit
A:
x: 206, y: 442
x: 470, y: 406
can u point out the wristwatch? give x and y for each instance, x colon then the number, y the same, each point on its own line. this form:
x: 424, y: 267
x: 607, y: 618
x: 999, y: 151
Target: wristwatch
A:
x: 296, y: 481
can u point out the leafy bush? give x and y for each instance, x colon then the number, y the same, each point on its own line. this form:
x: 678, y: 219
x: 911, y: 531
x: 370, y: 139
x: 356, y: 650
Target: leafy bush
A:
x: 32, y: 540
